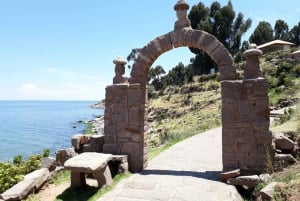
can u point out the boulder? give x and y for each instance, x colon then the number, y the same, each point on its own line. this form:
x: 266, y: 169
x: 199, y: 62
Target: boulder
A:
x: 54, y: 173
x: 76, y: 141
x: 247, y: 182
x: 267, y: 192
x: 31, y: 182
x: 85, y: 139
x: 283, y: 143
x: 18, y: 191
x: 49, y: 163
x: 39, y: 177
x: 63, y: 155
x: 287, y: 158
x: 231, y: 174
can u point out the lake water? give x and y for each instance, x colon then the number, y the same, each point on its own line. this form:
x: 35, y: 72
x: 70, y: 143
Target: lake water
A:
x: 29, y: 127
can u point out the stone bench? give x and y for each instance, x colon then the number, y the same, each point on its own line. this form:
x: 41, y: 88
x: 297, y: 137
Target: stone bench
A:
x: 89, y: 162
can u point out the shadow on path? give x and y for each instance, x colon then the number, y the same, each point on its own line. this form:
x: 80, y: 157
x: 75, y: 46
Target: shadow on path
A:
x: 209, y: 175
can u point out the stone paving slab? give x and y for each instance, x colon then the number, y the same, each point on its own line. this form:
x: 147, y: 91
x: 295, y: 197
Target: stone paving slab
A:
x: 188, y: 171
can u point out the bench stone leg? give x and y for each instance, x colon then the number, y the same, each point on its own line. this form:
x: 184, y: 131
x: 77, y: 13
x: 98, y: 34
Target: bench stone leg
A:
x: 77, y: 179
x: 103, y: 177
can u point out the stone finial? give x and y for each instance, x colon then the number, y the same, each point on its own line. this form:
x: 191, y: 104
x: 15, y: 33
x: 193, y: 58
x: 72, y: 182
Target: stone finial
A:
x: 119, y: 70
x: 119, y: 60
x: 181, y: 4
x: 181, y: 8
x: 252, y: 70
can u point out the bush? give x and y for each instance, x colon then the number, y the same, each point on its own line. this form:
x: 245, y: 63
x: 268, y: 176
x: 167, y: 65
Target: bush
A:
x: 46, y: 153
x: 286, y: 116
x: 296, y: 70
x: 12, y: 173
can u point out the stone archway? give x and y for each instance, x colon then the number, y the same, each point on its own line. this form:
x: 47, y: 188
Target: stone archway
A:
x: 245, y: 120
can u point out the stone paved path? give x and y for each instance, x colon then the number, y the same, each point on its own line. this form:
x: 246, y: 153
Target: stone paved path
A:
x: 187, y: 171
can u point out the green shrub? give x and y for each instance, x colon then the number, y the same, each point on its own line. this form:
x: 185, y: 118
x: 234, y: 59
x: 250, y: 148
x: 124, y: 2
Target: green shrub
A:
x: 17, y: 160
x: 296, y: 70
x: 12, y: 173
x: 46, y: 153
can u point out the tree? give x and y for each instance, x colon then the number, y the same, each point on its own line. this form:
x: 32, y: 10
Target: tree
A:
x: 133, y: 56
x: 176, y: 75
x: 155, y: 75
x: 263, y: 33
x: 221, y: 22
x: 295, y: 34
x: 281, y: 30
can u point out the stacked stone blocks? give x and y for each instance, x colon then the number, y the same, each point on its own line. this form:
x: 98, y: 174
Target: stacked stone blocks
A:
x: 123, y: 119
x: 245, y: 121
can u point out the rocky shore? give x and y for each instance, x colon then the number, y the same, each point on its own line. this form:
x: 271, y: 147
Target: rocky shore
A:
x: 97, y: 125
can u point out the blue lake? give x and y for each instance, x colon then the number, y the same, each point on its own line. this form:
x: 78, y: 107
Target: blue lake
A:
x: 29, y: 127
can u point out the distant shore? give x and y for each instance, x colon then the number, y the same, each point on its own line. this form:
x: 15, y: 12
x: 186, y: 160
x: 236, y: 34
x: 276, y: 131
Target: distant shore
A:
x: 99, y: 105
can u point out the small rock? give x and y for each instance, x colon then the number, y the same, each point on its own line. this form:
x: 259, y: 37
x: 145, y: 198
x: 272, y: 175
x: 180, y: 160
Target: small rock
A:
x: 49, y: 163
x: 265, y: 178
x: 267, y: 192
x: 288, y: 158
x: 283, y: 143
x: 226, y: 175
x: 246, y: 181
x: 63, y: 155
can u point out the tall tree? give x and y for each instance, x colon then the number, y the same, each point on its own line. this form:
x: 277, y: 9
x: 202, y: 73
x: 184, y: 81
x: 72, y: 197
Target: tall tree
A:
x: 295, y: 34
x: 223, y: 23
x: 263, y: 33
x: 176, y: 75
x: 155, y: 75
x: 281, y: 30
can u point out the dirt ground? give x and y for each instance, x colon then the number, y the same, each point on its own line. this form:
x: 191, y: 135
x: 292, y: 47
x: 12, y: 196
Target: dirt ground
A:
x: 49, y: 192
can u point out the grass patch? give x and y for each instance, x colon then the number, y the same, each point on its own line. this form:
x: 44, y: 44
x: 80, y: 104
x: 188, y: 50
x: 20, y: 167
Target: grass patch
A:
x: 89, y: 128
x: 61, y: 177
x: 293, y: 124
x: 291, y: 179
x: 89, y: 193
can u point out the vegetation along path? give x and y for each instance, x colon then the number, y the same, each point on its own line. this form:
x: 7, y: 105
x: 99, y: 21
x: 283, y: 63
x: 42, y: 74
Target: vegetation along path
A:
x: 187, y: 171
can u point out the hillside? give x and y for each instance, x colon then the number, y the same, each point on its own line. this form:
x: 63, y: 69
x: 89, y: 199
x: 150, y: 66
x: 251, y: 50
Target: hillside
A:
x: 182, y: 111
x: 178, y: 112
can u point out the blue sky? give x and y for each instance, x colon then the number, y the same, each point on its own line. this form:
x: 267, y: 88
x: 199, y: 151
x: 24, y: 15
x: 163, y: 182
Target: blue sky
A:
x: 63, y: 49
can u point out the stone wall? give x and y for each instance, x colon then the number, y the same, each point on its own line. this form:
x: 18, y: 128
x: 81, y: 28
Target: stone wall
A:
x: 123, y: 121
x: 245, y: 119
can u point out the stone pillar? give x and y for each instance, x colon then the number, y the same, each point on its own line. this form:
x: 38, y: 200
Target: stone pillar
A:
x: 124, y: 123
x: 246, y: 139
x: 252, y: 70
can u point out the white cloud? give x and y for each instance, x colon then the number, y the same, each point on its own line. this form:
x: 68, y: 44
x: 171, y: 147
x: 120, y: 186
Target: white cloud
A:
x: 57, y: 84
x: 30, y: 89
